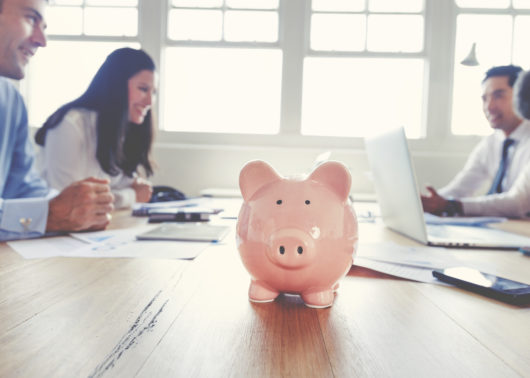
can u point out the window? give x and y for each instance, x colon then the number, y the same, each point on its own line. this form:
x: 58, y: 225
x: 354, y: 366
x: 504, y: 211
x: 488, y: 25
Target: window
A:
x: 223, y: 56
x: 357, y: 96
x: 81, y: 33
x: 365, y: 68
x: 500, y: 30
x: 311, y: 73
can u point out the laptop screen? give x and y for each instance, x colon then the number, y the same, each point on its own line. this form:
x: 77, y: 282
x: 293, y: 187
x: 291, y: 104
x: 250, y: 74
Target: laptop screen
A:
x: 395, y: 184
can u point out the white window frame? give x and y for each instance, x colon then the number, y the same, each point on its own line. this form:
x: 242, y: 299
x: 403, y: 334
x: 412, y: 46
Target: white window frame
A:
x: 457, y: 11
x: 438, y: 53
x: 440, y: 29
x: 24, y: 84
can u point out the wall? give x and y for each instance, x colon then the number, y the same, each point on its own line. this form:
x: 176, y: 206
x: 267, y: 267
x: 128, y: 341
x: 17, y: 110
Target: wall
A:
x: 193, y: 167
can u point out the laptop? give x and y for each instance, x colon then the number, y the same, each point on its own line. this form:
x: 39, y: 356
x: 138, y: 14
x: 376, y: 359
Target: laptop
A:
x: 399, y: 199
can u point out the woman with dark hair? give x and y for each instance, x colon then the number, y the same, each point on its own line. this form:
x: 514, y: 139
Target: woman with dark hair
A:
x: 107, y: 132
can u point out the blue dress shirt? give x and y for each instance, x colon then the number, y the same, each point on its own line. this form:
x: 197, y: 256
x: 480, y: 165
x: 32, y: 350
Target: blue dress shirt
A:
x: 23, y: 201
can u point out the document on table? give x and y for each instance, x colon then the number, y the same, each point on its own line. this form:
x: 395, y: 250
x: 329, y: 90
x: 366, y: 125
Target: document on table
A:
x: 413, y: 263
x: 111, y: 243
x: 410, y: 272
x: 45, y: 247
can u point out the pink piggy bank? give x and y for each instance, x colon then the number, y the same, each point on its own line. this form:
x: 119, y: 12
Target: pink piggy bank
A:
x: 296, y: 235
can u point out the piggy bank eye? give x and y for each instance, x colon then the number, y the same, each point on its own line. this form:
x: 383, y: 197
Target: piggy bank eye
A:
x: 307, y: 202
x: 279, y: 202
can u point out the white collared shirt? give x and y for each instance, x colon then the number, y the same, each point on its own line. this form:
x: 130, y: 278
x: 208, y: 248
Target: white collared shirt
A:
x: 470, y: 185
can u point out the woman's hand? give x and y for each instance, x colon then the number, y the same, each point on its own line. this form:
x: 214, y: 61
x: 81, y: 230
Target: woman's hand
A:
x: 143, y: 189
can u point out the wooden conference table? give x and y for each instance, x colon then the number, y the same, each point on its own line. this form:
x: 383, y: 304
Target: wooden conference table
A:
x: 76, y: 317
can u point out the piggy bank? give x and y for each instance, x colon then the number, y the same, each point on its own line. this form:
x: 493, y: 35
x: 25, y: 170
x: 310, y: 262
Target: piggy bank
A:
x: 296, y: 235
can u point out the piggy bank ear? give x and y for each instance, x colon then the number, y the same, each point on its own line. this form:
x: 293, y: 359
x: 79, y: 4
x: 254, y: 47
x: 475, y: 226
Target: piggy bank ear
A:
x: 255, y: 175
x: 335, y: 176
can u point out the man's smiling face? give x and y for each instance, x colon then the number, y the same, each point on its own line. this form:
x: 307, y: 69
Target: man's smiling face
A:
x: 21, y: 34
x: 497, y: 104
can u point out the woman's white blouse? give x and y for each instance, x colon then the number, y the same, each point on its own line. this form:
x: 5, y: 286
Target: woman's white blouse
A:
x: 69, y: 155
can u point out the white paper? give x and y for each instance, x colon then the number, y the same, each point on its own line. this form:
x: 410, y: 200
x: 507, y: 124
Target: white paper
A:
x: 45, y: 247
x: 414, y: 273
x: 141, y: 249
x: 414, y: 263
x: 109, y: 243
x: 426, y: 257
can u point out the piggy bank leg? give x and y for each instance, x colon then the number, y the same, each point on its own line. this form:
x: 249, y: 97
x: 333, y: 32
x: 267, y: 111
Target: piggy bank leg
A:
x: 261, y: 293
x: 319, y: 299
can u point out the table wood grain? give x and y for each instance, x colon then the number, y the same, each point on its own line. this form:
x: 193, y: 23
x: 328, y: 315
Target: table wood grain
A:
x: 81, y: 317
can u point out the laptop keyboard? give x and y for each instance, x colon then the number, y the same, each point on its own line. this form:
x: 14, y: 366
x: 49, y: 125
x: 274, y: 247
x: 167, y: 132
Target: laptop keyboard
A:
x: 478, y: 235
x: 455, y: 232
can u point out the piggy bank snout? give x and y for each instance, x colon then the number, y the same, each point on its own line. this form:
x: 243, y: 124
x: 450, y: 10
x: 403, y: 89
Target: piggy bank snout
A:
x: 291, y: 248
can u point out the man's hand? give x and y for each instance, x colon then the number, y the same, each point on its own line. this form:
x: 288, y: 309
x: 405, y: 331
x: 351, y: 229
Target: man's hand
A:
x: 434, y: 203
x: 143, y: 189
x: 84, y: 205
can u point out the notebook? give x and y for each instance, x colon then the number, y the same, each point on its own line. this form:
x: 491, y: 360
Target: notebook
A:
x: 399, y: 199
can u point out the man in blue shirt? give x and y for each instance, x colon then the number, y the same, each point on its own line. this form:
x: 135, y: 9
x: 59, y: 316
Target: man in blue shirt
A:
x: 27, y: 207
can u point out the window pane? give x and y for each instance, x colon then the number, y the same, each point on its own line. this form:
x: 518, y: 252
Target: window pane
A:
x: 493, y: 36
x: 197, y: 3
x: 64, y: 20
x: 521, y: 4
x: 199, y: 25
x: 251, y: 26
x: 53, y: 82
x: 111, y: 21
x: 498, y: 4
x: 338, y: 32
x: 338, y: 5
x: 396, y: 6
x: 222, y: 90
x: 521, y: 52
x: 356, y: 97
x: 113, y: 3
x: 395, y: 33
x: 253, y: 4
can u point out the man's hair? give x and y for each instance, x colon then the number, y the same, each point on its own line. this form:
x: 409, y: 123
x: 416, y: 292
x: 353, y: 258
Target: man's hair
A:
x: 521, y: 92
x: 511, y: 71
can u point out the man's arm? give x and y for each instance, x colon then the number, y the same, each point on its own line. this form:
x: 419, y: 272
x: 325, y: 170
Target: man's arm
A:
x: 23, y: 218
x: 21, y: 180
x: 23, y: 206
x: 83, y: 205
x: 436, y: 204
x: 514, y: 203
x: 474, y: 174
x: 465, y: 184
